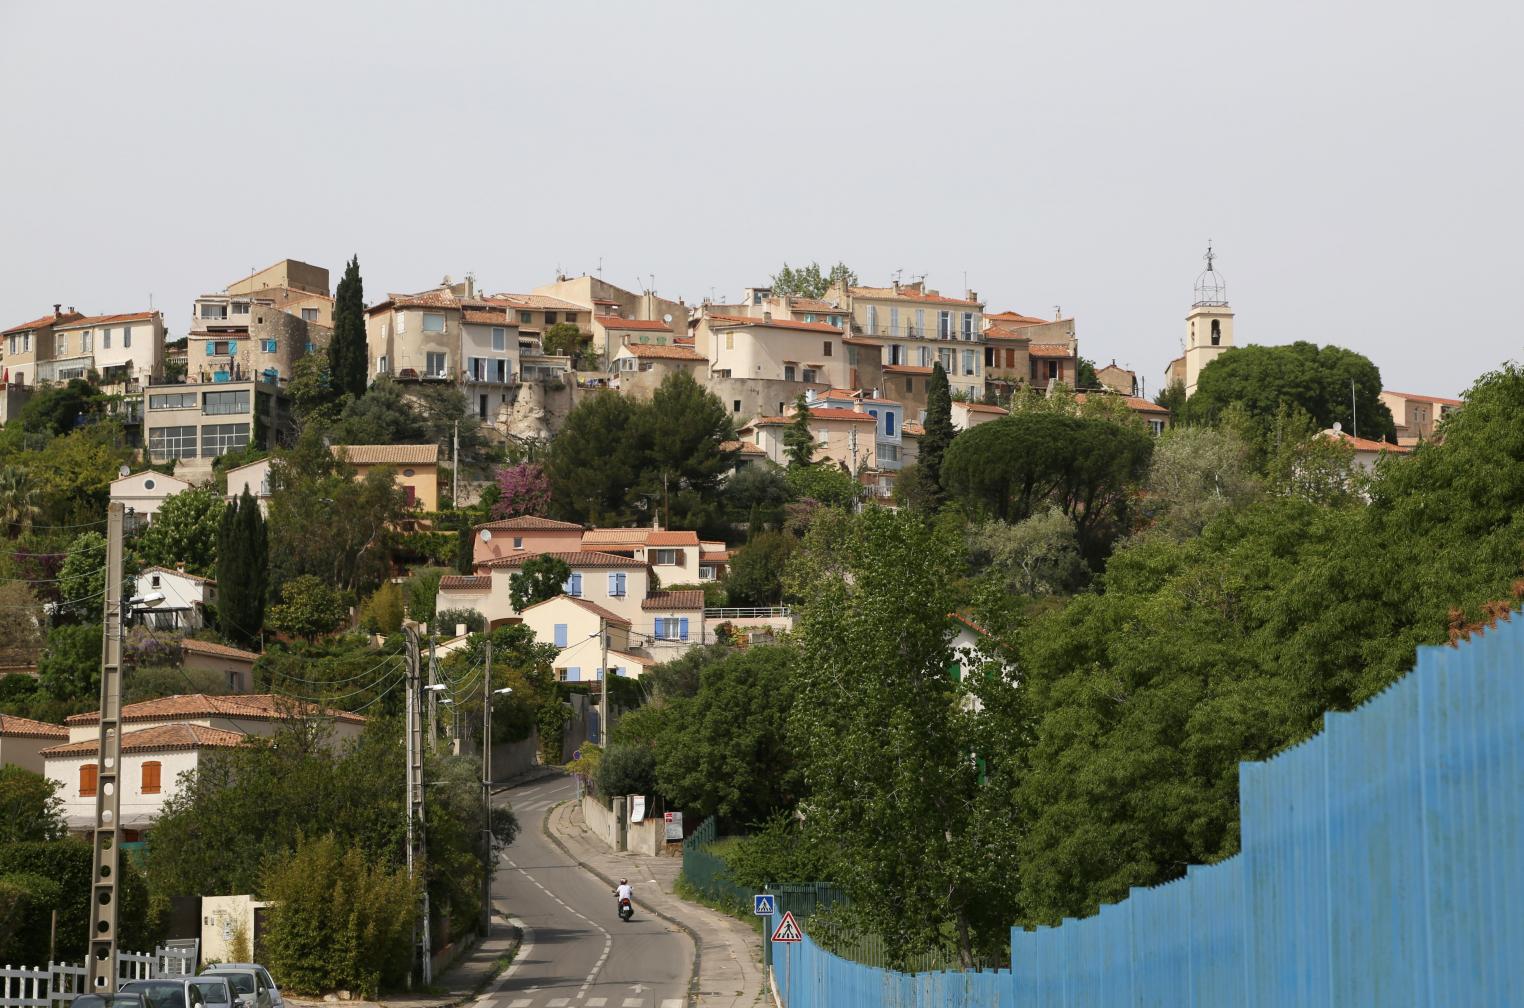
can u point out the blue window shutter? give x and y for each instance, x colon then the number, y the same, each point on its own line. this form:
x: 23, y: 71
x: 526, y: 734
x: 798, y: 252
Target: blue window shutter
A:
x: 574, y: 673
x: 661, y: 629
x: 593, y: 726
x: 682, y: 628
x: 621, y: 582
x: 622, y: 671
x: 560, y: 635
x: 889, y: 423
x: 576, y: 585
x: 613, y: 585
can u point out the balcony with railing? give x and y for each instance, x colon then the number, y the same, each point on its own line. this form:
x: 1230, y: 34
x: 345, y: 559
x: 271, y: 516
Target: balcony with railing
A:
x: 910, y: 331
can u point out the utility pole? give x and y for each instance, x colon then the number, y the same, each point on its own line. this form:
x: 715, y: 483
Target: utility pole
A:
x: 433, y: 696
x: 603, y: 682
x: 455, y: 465
x: 1354, y: 417
x: 101, y: 962
x: 488, y: 862
x: 417, y: 849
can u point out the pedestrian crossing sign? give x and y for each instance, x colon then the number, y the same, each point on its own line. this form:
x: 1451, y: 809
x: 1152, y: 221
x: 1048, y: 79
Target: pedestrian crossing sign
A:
x: 788, y: 929
x: 762, y: 904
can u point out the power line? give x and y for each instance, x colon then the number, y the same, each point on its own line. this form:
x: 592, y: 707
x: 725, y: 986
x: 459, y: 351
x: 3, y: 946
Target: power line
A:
x: 337, y: 682
x: 71, y: 577
x: 378, y: 697
x: 344, y: 696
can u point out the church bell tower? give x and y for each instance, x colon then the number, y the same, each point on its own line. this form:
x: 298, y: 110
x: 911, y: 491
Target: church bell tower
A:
x: 1209, y: 326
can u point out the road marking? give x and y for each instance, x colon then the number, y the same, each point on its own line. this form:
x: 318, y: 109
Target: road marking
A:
x: 672, y: 1003
x: 597, y: 1002
x: 608, y: 939
x: 521, y: 1003
x: 634, y: 1002
x: 559, y: 1002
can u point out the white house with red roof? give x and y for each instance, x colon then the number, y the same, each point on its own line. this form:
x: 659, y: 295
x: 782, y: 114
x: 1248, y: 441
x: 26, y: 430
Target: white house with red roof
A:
x: 126, y: 350
x: 972, y: 414
x: 163, y: 739
x: 848, y: 437
x: 1367, y: 452
x: 186, y: 598
x: 772, y: 348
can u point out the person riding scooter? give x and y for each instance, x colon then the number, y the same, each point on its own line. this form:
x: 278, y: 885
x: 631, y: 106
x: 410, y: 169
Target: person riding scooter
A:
x: 622, y: 901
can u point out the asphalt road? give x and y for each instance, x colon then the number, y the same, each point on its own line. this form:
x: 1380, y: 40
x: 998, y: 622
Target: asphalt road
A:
x: 577, y: 953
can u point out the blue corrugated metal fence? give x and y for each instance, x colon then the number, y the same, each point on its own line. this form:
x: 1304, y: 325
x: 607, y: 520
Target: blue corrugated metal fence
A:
x: 1382, y: 864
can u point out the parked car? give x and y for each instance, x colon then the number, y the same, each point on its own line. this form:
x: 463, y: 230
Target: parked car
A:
x: 111, y: 1001
x: 216, y: 990
x: 275, y: 999
x: 168, y: 992
x: 249, y: 988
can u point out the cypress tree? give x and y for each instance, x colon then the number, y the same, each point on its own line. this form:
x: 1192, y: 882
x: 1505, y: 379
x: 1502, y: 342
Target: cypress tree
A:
x: 798, y: 441
x: 939, y: 434
x: 347, y: 352
x: 242, y: 570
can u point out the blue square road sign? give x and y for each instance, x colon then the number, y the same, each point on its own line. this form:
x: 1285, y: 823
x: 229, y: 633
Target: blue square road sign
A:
x: 762, y: 904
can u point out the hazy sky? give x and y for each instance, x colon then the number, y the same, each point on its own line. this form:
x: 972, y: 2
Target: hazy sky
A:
x: 1358, y: 165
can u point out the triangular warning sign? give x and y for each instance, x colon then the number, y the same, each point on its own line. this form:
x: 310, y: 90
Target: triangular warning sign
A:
x: 788, y: 929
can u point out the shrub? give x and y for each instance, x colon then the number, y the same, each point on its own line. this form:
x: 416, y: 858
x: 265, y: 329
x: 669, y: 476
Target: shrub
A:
x: 339, y: 922
x: 627, y: 770
x: 67, y: 863
x: 446, y: 620
x: 383, y: 610
x: 26, y: 904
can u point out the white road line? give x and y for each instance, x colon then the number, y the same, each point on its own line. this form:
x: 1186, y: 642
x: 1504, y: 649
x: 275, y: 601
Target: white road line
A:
x: 608, y: 939
x: 634, y: 1002
x: 597, y: 1002
x: 526, y: 946
x: 672, y: 1003
x: 520, y: 1003
x: 558, y: 1002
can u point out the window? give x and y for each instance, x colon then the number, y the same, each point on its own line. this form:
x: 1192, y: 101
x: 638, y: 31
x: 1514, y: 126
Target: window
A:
x: 219, y: 439
x: 888, y: 453
x: 895, y: 353
x: 311, y: 346
x: 88, y: 774
x: 735, y: 406
x: 894, y: 321
x: 730, y: 340
x: 151, y: 777
x: 401, y: 323
x: 809, y: 374
x: 550, y: 318
x: 240, y: 307
x: 172, y: 400
x: 172, y: 442
x: 434, y: 364
x: 823, y: 436
x: 706, y: 573
x: 574, y: 674
x: 86, y: 341
x: 788, y: 372
x: 1216, y: 332
x: 672, y: 628
x: 500, y: 369
x: 217, y: 311
x: 380, y: 362
x: 105, y: 339
x: 944, y: 325
x: 268, y: 346
x: 825, y: 348
x: 499, y: 338
x: 560, y: 635
x: 616, y: 585
x: 925, y: 356
x: 1052, y: 370
x: 969, y: 363
x: 525, y: 318
x: 433, y: 322
x: 518, y: 542
x: 968, y: 325
x: 409, y: 496
x: 889, y: 423
x: 573, y: 586
x: 666, y: 557
x: 909, y: 385
x: 1156, y: 427
x: 126, y: 336
x: 309, y: 314
x: 225, y: 403
x: 61, y: 344
x: 221, y: 349
x: 153, y: 581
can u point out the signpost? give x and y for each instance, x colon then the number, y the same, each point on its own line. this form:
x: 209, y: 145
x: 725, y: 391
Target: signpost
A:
x: 788, y: 929
x: 674, y: 823
x: 762, y: 904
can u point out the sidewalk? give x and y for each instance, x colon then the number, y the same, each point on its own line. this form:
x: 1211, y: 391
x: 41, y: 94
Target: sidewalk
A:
x: 465, y: 979
x: 726, y: 952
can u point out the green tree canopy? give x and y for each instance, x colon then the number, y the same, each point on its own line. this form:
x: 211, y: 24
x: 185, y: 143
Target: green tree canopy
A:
x: 825, y: 482
x: 242, y: 570
x: 183, y: 530
x: 798, y: 439
x: 58, y: 409
x: 380, y: 414
x: 540, y: 578
x: 928, y: 475
x: 756, y: 570
x: 1317, y: 380
x: 309, y: 608
x: 347, y: 353
x: 595, y: 460
x: 810, y: 281
x: 30, y: 808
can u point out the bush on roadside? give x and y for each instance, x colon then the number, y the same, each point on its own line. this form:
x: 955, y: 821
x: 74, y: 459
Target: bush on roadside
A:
x: 26, y: 903
x: 627, y: 770
x: 338, y: 922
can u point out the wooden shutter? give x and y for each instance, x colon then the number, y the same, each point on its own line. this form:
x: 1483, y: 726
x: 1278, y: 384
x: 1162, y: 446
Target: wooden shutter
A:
x: 87, y: 778
x: 151, y: 777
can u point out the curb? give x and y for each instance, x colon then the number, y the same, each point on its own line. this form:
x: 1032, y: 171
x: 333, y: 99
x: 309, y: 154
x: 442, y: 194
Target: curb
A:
x: 693, y: 936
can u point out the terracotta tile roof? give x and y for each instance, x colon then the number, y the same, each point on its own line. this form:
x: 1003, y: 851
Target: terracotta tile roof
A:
x: 976, y: 628
x: 573, y: 559
x: 979, y: 407
x: 529, y: 523
x: 641, y: 660
x: 861, y: 341
x: 388, y: 454
x: 465, y: 582
x: 81, y: 323
x: 656, y: 538
x: 615, y: 536
x: 615, y: 322
x: 1361, y: 444
x: 718, y: 556
x: 219, y: 650
x: 909, y: 294
x: 43, y: 322
x: 1049, y: 350
x: 592, y: 607
x: 913, y: 429
x: 1000, y: 332
x: 438, y: 298
x: 258, y: 706
x: 604, y: 301
x: 1135, y: 403
x: 20, y: 727
x: 688, y: 598
x: 1425, y: 398
x: 1016, y: 318
x: 498, y: 317
x: 180, y: 573
x: 744, y: 447
x: 158, y: 739
x: 813, y: 305
x: 536, y: 302
x: 652, y: 351
x: 817, y: 413
x: 727, y: 321
x: 907, y: 369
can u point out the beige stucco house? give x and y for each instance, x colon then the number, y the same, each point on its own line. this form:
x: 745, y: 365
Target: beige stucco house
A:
x: 125, y: 351
x: 920, y: 327
x: 415, y: 469
x: 524, y: 535
x: 22, y: 741
x: 1417, y: 416
x: 847, y: 437
x: 143, y: 493
x: 772, y: 349
x: 186, y: 598
x: 24, y: 346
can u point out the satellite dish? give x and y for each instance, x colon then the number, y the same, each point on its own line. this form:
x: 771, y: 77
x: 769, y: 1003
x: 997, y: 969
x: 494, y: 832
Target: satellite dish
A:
x: 124, y: 471
x: 1337, y: 427
x: 667, y: 318
x: 486, y: 535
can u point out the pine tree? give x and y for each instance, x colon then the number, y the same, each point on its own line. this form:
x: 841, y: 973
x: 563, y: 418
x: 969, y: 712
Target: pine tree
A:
x: 939, y: 434
x: 347, y: 352
x: 798, y: 441
x: 242, y: 571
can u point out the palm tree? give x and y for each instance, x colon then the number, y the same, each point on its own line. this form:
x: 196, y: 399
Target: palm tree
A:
x: 18, y: 501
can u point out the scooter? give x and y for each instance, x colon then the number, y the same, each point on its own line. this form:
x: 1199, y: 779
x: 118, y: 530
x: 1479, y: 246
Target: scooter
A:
x: 626, y: 908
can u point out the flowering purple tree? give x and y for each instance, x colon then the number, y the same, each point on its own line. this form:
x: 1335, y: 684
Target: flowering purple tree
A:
x: 523, y: 489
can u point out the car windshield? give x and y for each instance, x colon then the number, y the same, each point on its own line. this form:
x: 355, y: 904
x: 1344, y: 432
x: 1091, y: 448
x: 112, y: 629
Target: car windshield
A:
x: 109, y: 1001
x: 242, y: 983
x: 163, y: 994
x: 215, y: 991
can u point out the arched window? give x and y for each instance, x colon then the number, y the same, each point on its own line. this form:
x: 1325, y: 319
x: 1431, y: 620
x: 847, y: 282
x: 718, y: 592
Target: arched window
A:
x: 1216, y: 332
x: 151, y: 777
x: 87, y: 778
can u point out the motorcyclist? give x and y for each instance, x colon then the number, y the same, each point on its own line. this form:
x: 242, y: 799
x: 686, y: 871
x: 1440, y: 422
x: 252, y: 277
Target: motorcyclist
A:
x: 624, y: 891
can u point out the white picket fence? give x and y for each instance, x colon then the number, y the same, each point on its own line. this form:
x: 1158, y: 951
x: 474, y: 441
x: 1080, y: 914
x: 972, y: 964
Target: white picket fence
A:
x: 61, y: 983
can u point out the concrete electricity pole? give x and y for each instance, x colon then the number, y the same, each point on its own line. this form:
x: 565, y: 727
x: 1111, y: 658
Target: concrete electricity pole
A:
x: 433, y: 696
x: 603, y: 683
x: 487, y: 859
x: 417, y: 848
x: 100, y: 963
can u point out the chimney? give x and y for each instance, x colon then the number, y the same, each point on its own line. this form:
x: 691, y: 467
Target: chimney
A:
x: 180, y: 566
x: 767, y: 316
x: 70, y: 311
x: 57, y: 310
x: 896, y: 286
x: 971, y: 295
x: 460, y: 629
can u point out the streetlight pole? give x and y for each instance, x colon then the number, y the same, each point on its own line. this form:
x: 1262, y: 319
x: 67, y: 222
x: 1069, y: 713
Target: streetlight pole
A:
x: 101, y: 963
x: 417, y: 845
x: 489, y: 862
